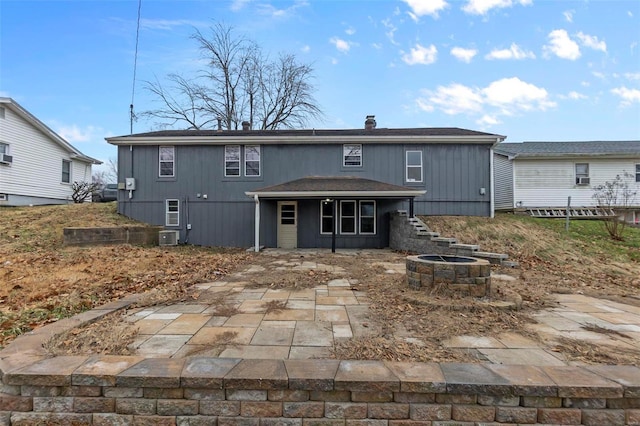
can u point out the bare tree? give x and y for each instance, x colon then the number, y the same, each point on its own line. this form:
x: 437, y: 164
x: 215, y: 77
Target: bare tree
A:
x: 615, y: 195
x: 238, y: 83
x: 110, y: 175
x: 81, y: 191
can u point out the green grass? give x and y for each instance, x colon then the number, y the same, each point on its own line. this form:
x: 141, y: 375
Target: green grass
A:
x: 592, y: 237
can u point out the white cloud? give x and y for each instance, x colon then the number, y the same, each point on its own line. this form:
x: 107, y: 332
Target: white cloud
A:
x: 391, y: 30
x: 455, y: 99
x: 464, y: 55
x: 274, y: 12
x: 561, y: 45
x: 488, y: 120
x: 421, y: 55
x: 628, y: 96
x: 513, y: 52
x: 306, y: 48
x: 632, y: 75
x: 504, y: 97
x: 512, y: 94
x: 350, y: 31
x: 237, y: 5
x: 342, y: 45
x: 598, y: 74
x: 334, y: 61
x: 576, y: 95
x: 425, y: 7
x: 592, y: 42
x: 167, y: 24
x: 481, y: 7
x: 76, y: 134
x: 376, y: 46
x: 568, y: 15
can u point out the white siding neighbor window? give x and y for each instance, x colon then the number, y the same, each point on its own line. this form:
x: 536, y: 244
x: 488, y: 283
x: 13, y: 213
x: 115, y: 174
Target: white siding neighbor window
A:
x: 637, y: 172
x: 1, y: 112
x: 4, y: 148
x: 347, y: 217
x: 352, y: 155
x: 252, y: 160
x: 172, y: 213
x: 232, y: 160
x: 582, y: 174
x: 368, y: 217
x: 414, y: 166
x: 167, y: 163
x: 66, y: 171
x: 326, y: 217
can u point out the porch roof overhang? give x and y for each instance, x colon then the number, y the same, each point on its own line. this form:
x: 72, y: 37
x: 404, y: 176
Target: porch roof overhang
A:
x: 335, y: 187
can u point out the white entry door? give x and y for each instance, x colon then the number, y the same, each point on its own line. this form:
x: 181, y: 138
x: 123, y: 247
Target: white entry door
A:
x: 287, y: 224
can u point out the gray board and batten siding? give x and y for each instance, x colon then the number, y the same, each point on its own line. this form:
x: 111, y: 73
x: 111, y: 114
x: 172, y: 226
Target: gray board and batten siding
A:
x: 455, y: 166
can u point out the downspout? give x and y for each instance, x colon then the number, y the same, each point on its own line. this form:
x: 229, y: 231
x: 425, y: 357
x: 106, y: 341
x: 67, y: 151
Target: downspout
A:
x: 492, y: 183
x: 257, y: 224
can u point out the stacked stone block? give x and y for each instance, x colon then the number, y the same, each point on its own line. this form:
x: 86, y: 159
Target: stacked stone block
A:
x: 469, y: 279
x: 114, y: 390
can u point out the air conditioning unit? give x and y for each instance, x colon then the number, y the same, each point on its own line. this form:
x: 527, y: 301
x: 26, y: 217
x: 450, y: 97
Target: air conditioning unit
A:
x: 583, y: 181
x: 169, y: 238
x: 6, y: 159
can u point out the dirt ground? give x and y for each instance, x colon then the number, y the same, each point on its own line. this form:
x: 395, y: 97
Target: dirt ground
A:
x: 41, y: 281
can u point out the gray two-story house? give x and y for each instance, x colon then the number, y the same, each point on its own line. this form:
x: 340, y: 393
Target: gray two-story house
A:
x: 301, y: 188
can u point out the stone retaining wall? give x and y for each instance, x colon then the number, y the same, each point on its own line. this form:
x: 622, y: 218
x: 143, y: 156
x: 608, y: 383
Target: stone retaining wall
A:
x: 114, y: 390
x: 138, y: 235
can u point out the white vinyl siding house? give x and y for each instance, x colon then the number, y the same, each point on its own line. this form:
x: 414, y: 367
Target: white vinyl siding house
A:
x: 545, y: 174
x: 35, y: 174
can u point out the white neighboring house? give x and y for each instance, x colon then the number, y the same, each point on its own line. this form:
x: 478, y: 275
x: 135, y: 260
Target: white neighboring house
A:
x: 545, y: 174
x: 37, y: 166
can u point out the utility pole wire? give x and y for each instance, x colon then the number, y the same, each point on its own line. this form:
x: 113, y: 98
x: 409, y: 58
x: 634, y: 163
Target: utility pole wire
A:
x: 135, y: 66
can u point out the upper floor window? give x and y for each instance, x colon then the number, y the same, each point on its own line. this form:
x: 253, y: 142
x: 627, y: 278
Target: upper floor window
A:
x: 4, y: 148
x: 66, y: 171
x: 233, y: 158
x: 352, y: 155
x: 582, y: 173
x: 252, y: 160
x: 1, y: 112
x: 637, y: 172
x: 172, y: 217
x: 167, y: 163
x: 414, y: 166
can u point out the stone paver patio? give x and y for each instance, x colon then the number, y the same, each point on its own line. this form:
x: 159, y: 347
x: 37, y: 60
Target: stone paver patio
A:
x: 306, y: 323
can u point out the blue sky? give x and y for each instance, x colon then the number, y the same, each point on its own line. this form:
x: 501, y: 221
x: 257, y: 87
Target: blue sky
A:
x: 527, y: 69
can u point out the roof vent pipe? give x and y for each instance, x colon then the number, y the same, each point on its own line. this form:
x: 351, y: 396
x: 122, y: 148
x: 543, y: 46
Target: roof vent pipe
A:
x: 246, y: 126
x: 219, y: 123
x: 370, y: 122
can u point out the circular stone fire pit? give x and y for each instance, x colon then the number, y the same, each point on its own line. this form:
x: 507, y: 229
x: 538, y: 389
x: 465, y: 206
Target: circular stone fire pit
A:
x: 433, y: 272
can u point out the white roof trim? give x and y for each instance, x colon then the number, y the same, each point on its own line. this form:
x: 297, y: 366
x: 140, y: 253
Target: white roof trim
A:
x: 336, y: 194
x: 299, y: 140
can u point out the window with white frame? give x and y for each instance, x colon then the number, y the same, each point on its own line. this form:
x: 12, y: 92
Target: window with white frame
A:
x: 172, y: 217
x: 1, y: 112
x: 352, y: 155
x: 637, y: 172
x: 582, y: 173
x: 4, y: 148
x: 167, y: 161
x: 354, y: 217
x: 367, y: 217
x: 414, y: 166
x: 232, y: 160
x: 66, y: 171
x: 326, y: 217
x: 347, y: 217
x: 252, y: 160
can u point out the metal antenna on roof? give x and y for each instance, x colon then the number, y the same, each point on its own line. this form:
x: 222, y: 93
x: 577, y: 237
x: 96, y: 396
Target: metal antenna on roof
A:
x: 132, y: 115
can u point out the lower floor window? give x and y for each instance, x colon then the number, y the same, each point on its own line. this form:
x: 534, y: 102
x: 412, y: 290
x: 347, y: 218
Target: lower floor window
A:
x: 354, y: 217
x: 172, y: 213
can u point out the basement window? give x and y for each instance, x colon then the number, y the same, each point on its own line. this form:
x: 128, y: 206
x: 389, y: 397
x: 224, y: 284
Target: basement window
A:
x: 172, y: 213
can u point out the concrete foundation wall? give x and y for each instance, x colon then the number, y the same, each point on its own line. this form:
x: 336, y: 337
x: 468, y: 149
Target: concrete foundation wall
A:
x: 138, y: 235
